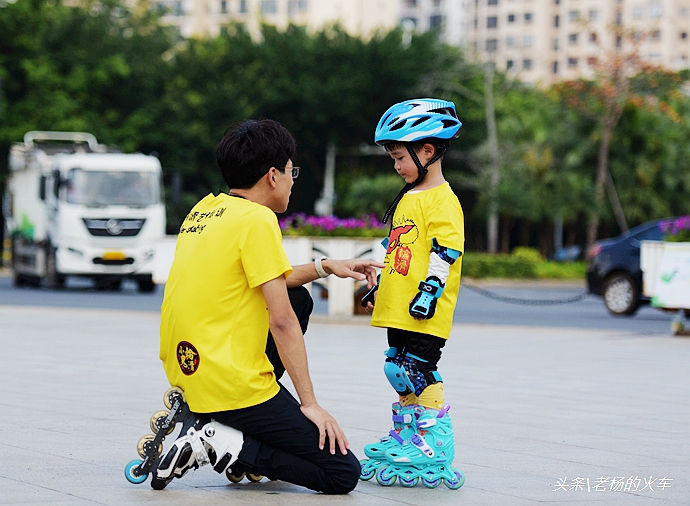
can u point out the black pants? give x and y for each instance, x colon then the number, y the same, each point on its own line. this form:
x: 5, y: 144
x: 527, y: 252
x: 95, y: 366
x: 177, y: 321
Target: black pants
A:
x: 424, y: 346
x: 280, y: 442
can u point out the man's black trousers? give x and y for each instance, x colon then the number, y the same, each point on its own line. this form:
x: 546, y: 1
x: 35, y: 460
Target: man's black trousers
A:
x: 280, y: 442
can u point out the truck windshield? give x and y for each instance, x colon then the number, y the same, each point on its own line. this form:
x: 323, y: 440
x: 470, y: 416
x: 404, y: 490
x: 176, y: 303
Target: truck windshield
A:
x: 102, y: 188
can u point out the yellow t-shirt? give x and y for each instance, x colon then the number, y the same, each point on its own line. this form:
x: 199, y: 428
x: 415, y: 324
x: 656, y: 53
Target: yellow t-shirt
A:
x: 419, y: 218
x: 214, y: 319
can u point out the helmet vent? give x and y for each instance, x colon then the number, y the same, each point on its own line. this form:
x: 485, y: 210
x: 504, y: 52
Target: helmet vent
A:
x: 398, y: 126
x: 449, y: 123
x: 420, y: 121
x: 445, y: 110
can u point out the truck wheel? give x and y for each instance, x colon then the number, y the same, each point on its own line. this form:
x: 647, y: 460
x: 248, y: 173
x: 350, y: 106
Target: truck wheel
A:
x: 621, y: 294
x: 18, y: 280
x: 146, y: 285
x: 54, y: 280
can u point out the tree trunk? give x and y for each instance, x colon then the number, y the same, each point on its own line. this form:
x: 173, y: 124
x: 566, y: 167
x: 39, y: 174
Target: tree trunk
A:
x: 602, y: 171
x: 494, y: 169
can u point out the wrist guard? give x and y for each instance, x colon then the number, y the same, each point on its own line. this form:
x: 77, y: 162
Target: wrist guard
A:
x: 424, y: 303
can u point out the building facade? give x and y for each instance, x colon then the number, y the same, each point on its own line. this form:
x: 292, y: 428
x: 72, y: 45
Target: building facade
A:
x: 206, y: 17
x: 543, y: 41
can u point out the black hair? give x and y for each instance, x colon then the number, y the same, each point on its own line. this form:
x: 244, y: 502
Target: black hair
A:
x: 416, y: 145
x: 250, y: 148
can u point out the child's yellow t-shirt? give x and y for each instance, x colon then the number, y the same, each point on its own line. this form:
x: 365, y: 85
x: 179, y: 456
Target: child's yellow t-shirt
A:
x: 214, y: 319
x: 419, y: 218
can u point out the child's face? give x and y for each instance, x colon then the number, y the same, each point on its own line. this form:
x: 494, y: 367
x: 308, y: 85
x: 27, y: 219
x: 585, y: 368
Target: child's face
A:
x: 404, y: 165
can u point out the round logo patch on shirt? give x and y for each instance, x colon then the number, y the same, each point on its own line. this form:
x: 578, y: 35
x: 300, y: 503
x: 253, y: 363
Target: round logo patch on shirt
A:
x: 187, y: 357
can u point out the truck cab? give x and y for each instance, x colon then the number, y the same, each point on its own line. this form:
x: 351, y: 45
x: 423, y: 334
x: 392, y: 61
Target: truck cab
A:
x: 77, y: 208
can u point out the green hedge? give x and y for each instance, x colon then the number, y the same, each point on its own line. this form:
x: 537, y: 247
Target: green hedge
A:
x: 524, y: 263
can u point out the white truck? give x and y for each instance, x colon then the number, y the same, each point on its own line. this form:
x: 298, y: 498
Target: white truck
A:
x: 74, y: 207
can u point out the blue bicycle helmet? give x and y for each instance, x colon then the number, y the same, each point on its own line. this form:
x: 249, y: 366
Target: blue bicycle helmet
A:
x: 418, y: 119
x: 414, y: 120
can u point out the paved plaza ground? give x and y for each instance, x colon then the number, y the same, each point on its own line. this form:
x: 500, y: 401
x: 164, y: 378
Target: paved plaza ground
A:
x: 541, y: 415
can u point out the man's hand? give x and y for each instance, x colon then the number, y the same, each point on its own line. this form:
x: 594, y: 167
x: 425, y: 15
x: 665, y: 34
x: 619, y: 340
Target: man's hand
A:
x: 328, y: 427
x: 359, y: 268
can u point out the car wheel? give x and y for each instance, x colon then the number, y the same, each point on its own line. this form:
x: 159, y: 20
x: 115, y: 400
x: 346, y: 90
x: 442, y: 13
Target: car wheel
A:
x: 621, y: 294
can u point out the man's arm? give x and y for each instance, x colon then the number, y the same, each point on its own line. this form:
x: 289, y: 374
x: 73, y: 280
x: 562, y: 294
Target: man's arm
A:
x: 360, y: 269
x: 290, y: 343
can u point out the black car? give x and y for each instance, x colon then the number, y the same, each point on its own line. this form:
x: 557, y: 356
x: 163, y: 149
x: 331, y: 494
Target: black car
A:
x: 614, y: 268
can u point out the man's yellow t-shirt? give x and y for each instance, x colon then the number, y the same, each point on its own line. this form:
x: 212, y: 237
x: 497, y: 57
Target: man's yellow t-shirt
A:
x: 419, y: 218
x: 214, y: 319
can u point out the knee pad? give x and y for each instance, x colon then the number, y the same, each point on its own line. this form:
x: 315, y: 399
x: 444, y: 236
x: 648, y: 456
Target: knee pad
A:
x: 404, y: 375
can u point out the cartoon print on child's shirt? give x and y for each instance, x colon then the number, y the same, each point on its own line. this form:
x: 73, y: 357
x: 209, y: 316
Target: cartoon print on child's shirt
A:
x: 398, y: 254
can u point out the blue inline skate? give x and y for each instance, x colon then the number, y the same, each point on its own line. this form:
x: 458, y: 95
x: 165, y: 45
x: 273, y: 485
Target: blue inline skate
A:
x: 427, y: 455
x: 404, y: 426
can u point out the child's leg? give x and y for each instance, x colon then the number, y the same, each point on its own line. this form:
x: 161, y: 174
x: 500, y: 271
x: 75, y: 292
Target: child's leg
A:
x: 411, y: 367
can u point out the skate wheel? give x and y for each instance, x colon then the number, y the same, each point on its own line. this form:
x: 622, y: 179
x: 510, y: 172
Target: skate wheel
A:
x: 131, y: 472
x: 366, y: 473
x: 457, y: 482
x: 384, y: 478
x: 145, y: 446
x: 255, y: 478
x: 428, y: 483
x: 235, y: 478
x: 409, y: 482
x: 170, y: 395
x: 157, y: 421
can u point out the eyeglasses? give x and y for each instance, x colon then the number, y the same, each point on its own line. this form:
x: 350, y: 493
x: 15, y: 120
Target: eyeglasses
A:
x: 295, y: 171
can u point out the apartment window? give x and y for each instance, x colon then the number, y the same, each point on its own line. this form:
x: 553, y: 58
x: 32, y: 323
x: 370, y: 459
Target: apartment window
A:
x: 572, y: 62
x: 492, y: 22
x: 555, y: 44
x: 655, y: 10
x: 528, y: 17
x: 619, y: 41
x: 411, y: 3
x: 684, y: 13
x: 557, y: 2
x: 269, y: 7
x: 556, y: 21
x: 437, y: 3
x: 683, y: 35
x: 435, y: 21
x: 224, y: 6
x: 410, y: 21
x: 574, y: 15
x: 491, y: 45
x: 510, y: 64
x: 593, y: 37
x: 637, y: 12
x: 572, y: 39
x: 656, y: 35
x: 296, y: 6
x: 592, y: 61
x: 510, y: 41
x: 511, y: 18
x: 493, y: 2
x: 554, y: 67
x: 178, y: 9
x: 527, y: 41
x: 594, y: 14
x: 527, y: 64
x: 243, y: 6
x: 619, y: 18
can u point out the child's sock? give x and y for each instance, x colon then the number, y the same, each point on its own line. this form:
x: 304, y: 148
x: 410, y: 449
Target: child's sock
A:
x: 432, y: 397
x: 406, y: 400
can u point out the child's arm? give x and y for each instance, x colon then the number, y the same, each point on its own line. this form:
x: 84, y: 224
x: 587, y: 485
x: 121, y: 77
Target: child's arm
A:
x: 423, y: 306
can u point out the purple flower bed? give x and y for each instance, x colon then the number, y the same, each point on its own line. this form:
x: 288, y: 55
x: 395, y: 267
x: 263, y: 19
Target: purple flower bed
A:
x: 677, y: 230
x: 301, y: 224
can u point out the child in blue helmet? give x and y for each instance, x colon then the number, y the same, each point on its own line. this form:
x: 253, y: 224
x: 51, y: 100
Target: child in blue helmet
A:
x: 417, y: 295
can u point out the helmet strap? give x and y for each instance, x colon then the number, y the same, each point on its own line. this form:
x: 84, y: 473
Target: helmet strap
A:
x: 422, y: 170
